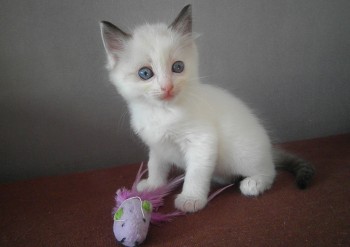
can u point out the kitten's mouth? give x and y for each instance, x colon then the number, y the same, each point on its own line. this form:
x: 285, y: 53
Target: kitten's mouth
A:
x: 168, y: 95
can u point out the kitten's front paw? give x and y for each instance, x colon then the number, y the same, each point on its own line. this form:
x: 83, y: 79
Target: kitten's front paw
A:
x: 253, y: 186
x: 249, y: 187
x: 190, y: 204
x: 145, y: 184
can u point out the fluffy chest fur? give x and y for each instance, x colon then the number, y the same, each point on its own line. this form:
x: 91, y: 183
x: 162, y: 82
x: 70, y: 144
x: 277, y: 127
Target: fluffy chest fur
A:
x: 168, y: 131
x: 155, y: 124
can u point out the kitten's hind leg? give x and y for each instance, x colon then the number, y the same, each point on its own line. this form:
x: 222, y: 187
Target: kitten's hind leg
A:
x: 255, y: 185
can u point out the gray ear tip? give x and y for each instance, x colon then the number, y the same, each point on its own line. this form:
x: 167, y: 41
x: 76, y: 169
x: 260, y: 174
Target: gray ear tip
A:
x: 183, y: 22
x: 188, y: 7
x: 106, y: 24
x: 187, y: 10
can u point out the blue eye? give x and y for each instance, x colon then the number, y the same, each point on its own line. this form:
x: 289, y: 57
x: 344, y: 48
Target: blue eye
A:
x: 178, y: 67
x: 145, y: 73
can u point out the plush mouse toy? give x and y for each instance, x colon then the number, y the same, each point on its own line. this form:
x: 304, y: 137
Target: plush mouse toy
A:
x: 135, y: 210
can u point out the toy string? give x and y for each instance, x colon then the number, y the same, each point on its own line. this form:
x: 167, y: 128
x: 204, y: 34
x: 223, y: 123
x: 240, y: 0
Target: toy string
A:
x: 211, y: 197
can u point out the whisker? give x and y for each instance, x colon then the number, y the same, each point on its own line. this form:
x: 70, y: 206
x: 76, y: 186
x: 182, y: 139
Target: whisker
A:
x: 198, y: 78
x: 122, y: 119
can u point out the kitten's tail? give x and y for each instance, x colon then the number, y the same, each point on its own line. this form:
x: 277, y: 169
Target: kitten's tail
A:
x: 302, y: 169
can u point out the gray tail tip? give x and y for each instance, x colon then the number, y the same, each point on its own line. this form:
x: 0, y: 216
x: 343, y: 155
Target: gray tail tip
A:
x: 304, y: 179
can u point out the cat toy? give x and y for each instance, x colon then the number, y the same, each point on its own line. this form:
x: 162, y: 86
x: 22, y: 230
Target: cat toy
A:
x: 135, y: 210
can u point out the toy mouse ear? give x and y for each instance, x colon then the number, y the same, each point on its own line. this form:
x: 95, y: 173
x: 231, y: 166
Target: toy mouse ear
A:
x: 118, y: 215
x: 183, y: 22
x: 147, y: 206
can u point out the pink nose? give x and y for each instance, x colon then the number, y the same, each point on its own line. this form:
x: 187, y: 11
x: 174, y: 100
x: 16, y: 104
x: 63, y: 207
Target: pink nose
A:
x: 168, y: 87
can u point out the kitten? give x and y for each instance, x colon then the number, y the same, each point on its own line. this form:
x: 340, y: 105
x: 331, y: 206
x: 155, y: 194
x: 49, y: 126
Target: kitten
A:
x: 200, y: 128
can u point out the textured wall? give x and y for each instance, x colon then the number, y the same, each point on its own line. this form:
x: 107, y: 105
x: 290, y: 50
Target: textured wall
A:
x: 289, y: 60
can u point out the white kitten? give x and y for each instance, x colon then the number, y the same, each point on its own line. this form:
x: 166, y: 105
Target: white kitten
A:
x: 200, y: 128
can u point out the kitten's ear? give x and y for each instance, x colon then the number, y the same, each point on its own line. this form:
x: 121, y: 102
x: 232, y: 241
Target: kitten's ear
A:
x: 183, y: 22
x: 113, y: 40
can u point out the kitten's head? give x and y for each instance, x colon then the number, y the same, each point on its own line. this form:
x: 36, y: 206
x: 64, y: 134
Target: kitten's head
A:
x: 155, y: 63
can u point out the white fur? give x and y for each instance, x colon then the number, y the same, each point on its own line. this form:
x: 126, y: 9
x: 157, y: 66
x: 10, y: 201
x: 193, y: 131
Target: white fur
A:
x: 204, y: 129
